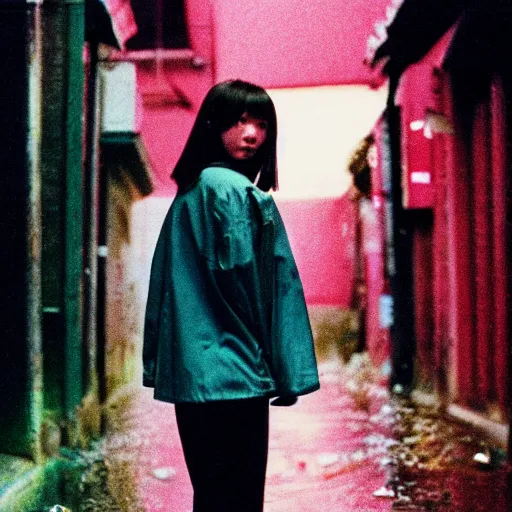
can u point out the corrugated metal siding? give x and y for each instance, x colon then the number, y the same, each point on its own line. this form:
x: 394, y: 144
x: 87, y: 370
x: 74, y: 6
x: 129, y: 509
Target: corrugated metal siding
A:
x: 481, y: 253
x: 477, y: 261
x: 499, y: 252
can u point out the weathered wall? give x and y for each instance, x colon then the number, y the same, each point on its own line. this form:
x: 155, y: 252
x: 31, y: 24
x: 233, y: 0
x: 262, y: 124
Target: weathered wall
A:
x: 459, y: 258
x: 294, y: 43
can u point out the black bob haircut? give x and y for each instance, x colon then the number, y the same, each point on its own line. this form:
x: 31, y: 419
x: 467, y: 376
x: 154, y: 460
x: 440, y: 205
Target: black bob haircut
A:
x: 221, y: 109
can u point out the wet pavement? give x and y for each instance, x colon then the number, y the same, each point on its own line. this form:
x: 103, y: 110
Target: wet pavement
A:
x: 443, y: 465
x: 348, y: 447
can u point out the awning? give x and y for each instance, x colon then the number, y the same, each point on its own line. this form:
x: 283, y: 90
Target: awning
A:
x: 125, y: 151
x: 420, y: 82
x: 477, y: 51
x: 110, y: 22
x: 415, y: 29
x: 480, y: 50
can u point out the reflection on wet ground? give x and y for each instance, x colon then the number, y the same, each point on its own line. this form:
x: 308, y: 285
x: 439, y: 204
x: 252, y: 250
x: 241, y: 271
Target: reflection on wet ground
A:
x: 348, y: 447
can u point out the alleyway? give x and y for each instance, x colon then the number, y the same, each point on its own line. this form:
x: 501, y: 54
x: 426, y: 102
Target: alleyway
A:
x: 345, y: 448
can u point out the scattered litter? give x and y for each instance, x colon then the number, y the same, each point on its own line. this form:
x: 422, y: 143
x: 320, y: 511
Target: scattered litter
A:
x: 340, y: 469
x: 386, y: 461
x: 383, y: 419
x: 352, y: 386
x: 327, y: 459
x: 398, y: 389
x: 301, y: 465
x: 378, y: 392
x: 164, y: 473
x: 374, y: 439
x: 411, y: 461
x: 384, y: 493
x: 411, y: 439
x: 386, y: 409
x: 482, y: 458
x: 385, y: 369
x: 358, y: 456
x: 353, y: 426
x: 376, y: 450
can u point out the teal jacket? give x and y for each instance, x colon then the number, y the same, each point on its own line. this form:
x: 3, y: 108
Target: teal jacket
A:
x: 226, y: 316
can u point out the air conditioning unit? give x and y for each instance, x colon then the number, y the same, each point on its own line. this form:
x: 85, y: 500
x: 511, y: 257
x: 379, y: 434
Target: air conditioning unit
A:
x: 120, y: 101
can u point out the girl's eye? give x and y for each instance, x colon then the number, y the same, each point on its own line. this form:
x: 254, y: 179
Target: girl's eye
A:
x: 263, y: 125
x: 243, y: 120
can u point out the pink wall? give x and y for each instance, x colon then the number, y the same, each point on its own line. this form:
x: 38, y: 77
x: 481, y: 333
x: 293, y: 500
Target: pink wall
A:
x: 295, y: 42
x: 277, y: 44
x: 321, y: 233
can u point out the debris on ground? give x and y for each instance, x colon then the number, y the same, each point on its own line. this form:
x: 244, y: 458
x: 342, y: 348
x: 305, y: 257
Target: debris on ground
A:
x: 438, y: 463
x: 164, y: 473
x: 384, y: 492
x: 351, y: 446
x: 327, y: 459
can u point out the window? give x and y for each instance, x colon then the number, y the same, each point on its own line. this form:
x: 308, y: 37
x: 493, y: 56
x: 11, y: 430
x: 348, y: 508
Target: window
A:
x: 161, y: 24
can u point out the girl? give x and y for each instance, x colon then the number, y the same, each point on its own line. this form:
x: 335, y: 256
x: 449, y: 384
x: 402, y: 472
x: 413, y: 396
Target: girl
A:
x: 226, y: 323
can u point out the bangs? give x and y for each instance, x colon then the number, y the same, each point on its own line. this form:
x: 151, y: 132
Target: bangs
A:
x: 240, y: 97
x: 259, y: 106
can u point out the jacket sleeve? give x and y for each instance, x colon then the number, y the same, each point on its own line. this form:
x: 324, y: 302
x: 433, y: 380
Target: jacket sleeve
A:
x: 259, y: 278
x: 293, y: 356
x: 153, y: 310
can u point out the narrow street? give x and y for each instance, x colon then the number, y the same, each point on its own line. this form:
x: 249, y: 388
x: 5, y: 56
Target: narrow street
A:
x: 382, y: 131
x: 344, y: 448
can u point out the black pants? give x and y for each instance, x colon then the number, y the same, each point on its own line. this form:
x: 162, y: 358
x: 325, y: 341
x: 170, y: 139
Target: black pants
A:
x: 226, y: 446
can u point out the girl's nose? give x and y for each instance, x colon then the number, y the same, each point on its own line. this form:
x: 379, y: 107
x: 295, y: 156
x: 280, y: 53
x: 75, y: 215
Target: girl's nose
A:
x: 250, y: 132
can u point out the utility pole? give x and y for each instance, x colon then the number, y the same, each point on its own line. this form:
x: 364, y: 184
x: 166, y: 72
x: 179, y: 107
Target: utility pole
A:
x: 399, y: 261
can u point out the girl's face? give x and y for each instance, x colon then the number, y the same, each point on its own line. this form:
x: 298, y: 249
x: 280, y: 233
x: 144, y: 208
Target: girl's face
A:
x: 242, y: 140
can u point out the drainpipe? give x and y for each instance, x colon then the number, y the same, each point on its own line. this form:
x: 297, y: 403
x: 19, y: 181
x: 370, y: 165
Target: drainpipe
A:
x: 91, y: 207
x: 20, y: 209
x: 102, y: 290
x: 399, y: 261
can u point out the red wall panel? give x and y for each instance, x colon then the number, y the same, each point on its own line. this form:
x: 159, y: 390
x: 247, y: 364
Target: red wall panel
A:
x: 377, y: 338
x: 499, y: 255
x: 482, y: 253
x: 461, y: 271
x: 423, y: 300
x: 441, y: 269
